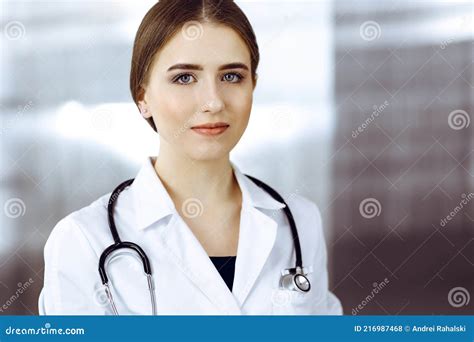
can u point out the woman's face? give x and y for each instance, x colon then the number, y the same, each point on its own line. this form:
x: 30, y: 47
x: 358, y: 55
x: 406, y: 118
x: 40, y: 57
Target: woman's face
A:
x: 201, y: 76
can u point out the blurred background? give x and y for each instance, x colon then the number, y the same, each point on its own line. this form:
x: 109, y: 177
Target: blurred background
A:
x: 367, y: 107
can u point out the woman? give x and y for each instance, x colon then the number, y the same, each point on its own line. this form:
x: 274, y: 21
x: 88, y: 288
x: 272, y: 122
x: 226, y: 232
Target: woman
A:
x: 217, y: 242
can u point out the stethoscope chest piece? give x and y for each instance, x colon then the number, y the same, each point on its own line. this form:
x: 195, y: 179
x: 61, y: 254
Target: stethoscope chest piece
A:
x: 294, y: 279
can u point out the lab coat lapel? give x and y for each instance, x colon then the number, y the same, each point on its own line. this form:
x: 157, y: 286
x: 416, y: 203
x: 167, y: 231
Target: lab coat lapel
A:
x: 258, y: 231
x: 256, y: 239
x: 190, y: 257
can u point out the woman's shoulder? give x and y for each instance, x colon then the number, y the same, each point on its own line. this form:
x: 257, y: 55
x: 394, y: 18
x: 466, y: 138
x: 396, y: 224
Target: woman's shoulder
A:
x: 92, y: 213
x: 306, y: 214
x: 303, y: 207
x: 87, y: 223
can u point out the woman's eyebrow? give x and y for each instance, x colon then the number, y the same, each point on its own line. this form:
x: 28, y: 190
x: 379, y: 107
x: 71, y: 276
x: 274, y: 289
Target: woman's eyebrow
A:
x: 187, y: 66
x: 235, y: 65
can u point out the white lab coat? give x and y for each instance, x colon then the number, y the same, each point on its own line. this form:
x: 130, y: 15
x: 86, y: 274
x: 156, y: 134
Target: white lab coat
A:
x: 186, y: 280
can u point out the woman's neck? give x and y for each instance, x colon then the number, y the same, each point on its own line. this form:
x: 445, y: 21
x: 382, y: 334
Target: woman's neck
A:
x: 210, y: 181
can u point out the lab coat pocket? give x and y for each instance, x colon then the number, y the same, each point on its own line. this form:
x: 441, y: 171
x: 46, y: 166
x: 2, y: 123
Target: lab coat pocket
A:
x: 289, y: 302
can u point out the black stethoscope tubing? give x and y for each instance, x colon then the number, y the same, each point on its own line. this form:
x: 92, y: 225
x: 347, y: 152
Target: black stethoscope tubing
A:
x: 119, y: 244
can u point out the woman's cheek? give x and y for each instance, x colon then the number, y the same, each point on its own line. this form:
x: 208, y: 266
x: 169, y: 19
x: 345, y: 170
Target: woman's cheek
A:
x: 243, y: 109
x: 172, y: 118
x: 246, y: 97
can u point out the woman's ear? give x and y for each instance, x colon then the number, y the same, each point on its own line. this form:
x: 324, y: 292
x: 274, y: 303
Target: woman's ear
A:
x: 255, y: 81
x: 142, y: 105
x: 144, y: 109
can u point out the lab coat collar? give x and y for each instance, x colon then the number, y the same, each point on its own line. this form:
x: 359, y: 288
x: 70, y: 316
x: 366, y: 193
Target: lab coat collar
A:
x: 152, y: 201
x: 257, y: 236
x: 252, y: 194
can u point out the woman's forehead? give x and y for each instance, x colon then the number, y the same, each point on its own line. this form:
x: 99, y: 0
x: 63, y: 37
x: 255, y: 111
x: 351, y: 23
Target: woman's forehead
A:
x: 216, y: 45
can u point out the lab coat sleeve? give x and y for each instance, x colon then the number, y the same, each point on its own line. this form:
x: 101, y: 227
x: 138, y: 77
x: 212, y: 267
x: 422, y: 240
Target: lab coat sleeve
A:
x: 330, y: 305
x: 70, y: 276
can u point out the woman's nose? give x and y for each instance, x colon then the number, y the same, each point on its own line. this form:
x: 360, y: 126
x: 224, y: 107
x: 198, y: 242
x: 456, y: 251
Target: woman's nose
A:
x: 211, y: 97
x: 213, y: 106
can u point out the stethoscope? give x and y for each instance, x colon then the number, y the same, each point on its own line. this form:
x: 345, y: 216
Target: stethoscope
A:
x: 293, y: 279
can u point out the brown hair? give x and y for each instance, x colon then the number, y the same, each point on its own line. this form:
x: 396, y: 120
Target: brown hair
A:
x: 166, y: 17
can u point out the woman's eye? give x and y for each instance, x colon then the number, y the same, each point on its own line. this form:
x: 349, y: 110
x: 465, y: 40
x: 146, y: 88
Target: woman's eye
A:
x: 233, y: 77
x: 183, y: 79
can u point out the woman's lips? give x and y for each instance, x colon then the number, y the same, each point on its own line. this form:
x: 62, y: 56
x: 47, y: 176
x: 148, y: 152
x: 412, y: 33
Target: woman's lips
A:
x: 210, y: 131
